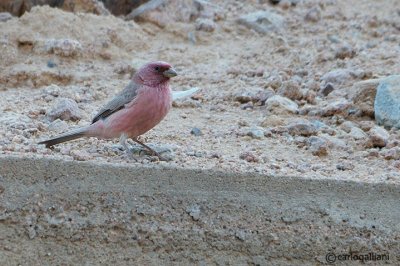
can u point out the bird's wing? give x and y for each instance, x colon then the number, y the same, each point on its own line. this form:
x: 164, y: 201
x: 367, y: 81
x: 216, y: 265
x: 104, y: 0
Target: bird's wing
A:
x: 118, y: 102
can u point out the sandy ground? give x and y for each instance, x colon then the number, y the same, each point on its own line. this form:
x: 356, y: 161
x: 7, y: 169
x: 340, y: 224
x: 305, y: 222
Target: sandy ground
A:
x: 228, y: 61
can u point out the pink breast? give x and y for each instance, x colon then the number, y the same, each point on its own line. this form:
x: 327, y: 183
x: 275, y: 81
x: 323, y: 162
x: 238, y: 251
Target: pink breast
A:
x: 147, y: 110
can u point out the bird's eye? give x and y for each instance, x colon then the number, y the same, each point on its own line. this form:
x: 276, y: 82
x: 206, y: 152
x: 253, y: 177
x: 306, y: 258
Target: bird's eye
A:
x: 157, y: 68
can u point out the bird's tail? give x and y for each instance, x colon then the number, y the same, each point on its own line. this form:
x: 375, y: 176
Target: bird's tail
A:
x: 76, y: 134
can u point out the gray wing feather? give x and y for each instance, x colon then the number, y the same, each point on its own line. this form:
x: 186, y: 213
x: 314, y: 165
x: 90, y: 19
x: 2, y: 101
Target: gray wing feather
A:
x: 118, y: 102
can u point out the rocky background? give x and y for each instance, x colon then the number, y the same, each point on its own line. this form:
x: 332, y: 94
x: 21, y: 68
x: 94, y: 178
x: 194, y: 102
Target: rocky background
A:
x: 291, y: 87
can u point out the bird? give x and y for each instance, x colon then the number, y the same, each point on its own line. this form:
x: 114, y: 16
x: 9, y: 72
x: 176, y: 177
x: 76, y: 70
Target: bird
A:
x: 139, y: 107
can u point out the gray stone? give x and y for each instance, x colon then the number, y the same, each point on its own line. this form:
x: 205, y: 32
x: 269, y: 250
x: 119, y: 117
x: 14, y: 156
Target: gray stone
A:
x: 357, y: 133
x: 314, y: 14
x: 318, y: 146
x: 262, y: 21
x: 194, y: 211
x: 291, y: 90
x: 378, y: 136
x: 281, y: 105
x: 4, y: 16
x: 256, y: 133
x: 338, y: 76
x: 196, y: 132
x: 58, y: 126
x: 64, y: 109
x: 345, y: 51
x: 337, y: 107
x: 387, y: 102
x: 326, y: 89
x: 391, y: 154
x: 205, y: 24
x: 63, y: 47
x: 274, y: 81
x: 363, y: 96
x: 302, y: 128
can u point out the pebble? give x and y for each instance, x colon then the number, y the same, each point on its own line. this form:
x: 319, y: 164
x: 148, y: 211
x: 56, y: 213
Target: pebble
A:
x: 290, y: 89
x: 194, y: 211
x: 51, y: 64
x: 249, y: 157
x: 357, y: 133
x: 391, y: 154
x: 363, y: 96
x: 318, y: 146
x: 326, y: 89
x: 58, y: 126
x: 64, y: 109
x: 196, y: 132
x: 262, y: 21
x: 337, y: 107
x: 387, y: 102
x: 63, y: 47
x: 256, y: 133
x: 378, y: 136
x: 274, y: 81
x: 205, y: 24
x: 4, y: 16
x: 344, y: 166
x: 345, y: 51
x: 338, y: 76
x: 302, y: 128
x: 281, y: 105
x: 313, y: 15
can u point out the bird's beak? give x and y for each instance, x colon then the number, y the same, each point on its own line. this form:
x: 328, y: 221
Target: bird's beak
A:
x: 170, y: 73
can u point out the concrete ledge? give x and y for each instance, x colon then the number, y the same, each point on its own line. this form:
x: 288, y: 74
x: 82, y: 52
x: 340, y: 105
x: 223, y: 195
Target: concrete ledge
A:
x: 66, y: 212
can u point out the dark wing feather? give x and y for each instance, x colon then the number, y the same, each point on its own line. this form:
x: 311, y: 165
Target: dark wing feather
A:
x: 118, y: 102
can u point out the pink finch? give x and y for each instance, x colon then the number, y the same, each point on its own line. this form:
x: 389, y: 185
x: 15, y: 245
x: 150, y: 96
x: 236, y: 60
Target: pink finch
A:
x: 134, y: 111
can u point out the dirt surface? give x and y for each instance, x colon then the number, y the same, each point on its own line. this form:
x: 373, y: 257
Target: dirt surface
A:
x: 55, y: 212
x: 48, y: 54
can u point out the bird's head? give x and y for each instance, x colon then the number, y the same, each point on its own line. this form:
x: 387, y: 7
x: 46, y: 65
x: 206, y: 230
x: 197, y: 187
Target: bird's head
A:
x: 154, y: 73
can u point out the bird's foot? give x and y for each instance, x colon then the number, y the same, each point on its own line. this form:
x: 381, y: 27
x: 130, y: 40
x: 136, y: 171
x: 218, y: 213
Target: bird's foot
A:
x: 154, y: 153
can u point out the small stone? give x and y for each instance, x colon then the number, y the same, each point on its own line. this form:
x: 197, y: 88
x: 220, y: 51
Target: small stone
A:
x: 363, y: 95
x: 205, y: 24
x: 281, y: 105
x: 318, y: 146
x: 262, y: 21
x: 290, y: 89
x: 366, y: 125
x: 387, y: 102
x: 378, y: 136
x: 347, y: 126
x: 63, y: 47
x: 337, y: 107
x: 18, y: 139
x: 313, y: 15
x: 345, y: 51
x: 256, y: 133
x: 4, y: 16
x: 328, y: 88
x: 80, y: 155
x: 338, y: 76
x: 344, y: 166
x: 357, y: 133
x: 274, y: 81
x: 302, y: 128
x: 194, y: 211
x: 249, y: 157
x: 391, y: 154
x: 58, y: 126
x: 64, y: 109
x: 196, y: 132
x: 51, y: 64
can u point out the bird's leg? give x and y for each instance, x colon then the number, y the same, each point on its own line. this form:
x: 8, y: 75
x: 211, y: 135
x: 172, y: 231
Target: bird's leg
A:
x: 123, y: 141
x: 148, y: 148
